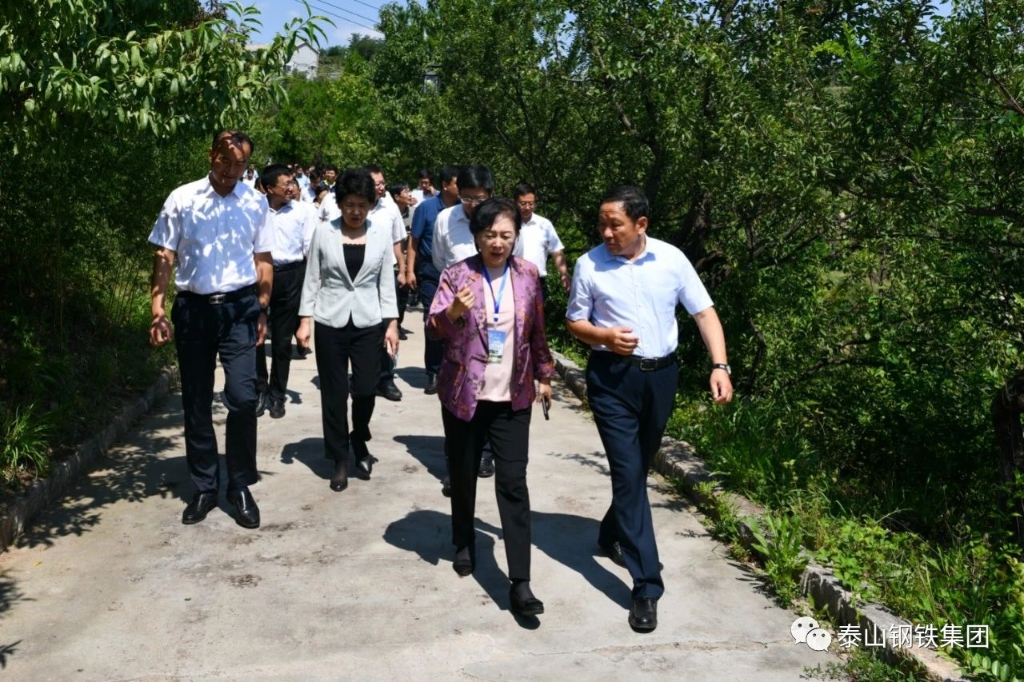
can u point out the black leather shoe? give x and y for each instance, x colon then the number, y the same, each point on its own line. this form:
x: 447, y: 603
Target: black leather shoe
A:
x: 387, y: 389
x: 339, y: 481
x: 276, y: 408
x: 431, y: 388
x: 522, y: 602
x: 402, y: 334
x: 446, y: 487
x: 261, y: 403
x: 198, y: 508
x: 486, y: 466
x: 364, y: 460
x: 248, y: 512
x: 643, y: 616
x: 463, y: 562
x: 613, y: 552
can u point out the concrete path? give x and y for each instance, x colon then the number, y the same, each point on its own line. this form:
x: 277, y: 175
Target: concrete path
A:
x: 359, y: 584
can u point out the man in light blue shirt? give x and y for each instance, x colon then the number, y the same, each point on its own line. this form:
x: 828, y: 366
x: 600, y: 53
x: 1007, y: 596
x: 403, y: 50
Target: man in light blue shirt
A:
x: 623, y: 302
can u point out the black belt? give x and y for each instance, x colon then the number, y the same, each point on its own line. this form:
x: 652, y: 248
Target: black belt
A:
x: 644, y: 364
x: 217, y: 299
x: 294, y: 265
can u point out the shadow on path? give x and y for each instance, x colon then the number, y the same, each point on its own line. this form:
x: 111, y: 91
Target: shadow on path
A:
x: 566, y: 538
x: 133, y: 472
x: 428, y: 451
x: 428, y: 533
x: 309, y: 451
x: 416, y: 377
x: 572, y: 541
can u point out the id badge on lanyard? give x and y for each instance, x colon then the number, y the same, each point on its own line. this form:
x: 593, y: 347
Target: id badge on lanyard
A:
x: 495, y: 346
x: 496, y: 338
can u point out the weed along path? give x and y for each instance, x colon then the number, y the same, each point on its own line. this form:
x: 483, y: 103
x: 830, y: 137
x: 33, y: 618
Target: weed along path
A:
x: 359, y: 584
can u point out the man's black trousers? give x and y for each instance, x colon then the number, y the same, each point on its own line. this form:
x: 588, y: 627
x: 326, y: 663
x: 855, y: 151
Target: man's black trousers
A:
x: 283, y: 323
x: 202, y: 331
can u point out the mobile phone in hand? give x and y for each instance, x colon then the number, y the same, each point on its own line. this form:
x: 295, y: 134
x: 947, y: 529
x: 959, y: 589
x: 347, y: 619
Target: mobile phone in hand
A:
x: 545, y: 405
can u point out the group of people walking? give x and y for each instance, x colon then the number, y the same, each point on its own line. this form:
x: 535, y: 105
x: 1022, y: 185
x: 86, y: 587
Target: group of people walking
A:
x: 333, y: 276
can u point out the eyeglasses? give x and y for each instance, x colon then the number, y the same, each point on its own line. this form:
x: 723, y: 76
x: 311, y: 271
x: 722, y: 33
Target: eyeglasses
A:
x: 471, y: 201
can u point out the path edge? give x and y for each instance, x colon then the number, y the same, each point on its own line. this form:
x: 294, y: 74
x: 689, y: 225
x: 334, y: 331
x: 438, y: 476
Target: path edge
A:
x: 17, y: 514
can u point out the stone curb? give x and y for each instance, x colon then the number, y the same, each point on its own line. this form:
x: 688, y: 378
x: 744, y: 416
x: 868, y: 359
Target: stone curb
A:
x: 677, y: 460
x: 17, y: 514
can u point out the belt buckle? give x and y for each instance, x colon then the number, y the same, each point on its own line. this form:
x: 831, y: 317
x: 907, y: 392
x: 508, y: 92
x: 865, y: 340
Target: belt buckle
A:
x: 648, y: 364
x: 216, y: 299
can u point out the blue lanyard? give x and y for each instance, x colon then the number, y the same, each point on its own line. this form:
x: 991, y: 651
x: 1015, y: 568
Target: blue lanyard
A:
x: 501, y: 289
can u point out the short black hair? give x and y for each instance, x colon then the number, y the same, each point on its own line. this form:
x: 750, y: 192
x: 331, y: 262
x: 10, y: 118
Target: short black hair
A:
x: 396, y: 188
x: 370, y: 168
x: 492, y: 209
x: 449, y: 173
x: 476, y: 176
x: 236, y: 137
x: 424, y: 173
x: 355, y: 181
x: 522, y: 189
x: 330, y: 166
x: 270, y: 174
x: 634, y: 202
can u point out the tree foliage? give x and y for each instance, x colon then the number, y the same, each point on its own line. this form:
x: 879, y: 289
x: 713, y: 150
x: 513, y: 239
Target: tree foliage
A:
x: 104, y: 108
x: 157, y: 67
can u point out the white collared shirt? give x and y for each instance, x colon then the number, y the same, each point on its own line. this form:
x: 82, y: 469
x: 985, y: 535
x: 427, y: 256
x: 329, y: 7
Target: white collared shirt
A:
x: 609, y: 291
x: 453, y: 241
x: 388, y: 217
x: 329, y: 208
x: 293, y: 225
x: 539, y: 241
x: 214, y: 237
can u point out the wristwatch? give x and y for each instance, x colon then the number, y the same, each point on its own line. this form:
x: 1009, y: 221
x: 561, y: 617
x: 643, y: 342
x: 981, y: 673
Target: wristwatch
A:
x: 722, y: 365
x: 264, y: 310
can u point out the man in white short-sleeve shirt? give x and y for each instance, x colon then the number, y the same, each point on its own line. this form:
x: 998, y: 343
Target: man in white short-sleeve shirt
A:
x: 216, y: 231
x: 538, y: 236
x: 623, y: 304
x: 452, y: 239
x: 386, y: 215
x: 293, y: 223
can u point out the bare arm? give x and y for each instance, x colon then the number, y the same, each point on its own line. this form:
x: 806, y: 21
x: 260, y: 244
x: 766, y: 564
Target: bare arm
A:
x: 714, y: 340
x: 264, y: 284
x: 410, y: 269
x: 160, y: 331
x: 400, y: 259
x: 563, y: 270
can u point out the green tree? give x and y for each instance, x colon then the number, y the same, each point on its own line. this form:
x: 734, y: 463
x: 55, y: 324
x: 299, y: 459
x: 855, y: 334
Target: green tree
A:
x: 104, y: 108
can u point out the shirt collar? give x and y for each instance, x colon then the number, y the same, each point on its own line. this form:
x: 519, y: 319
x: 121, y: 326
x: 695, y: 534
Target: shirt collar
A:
x: 237, y: 190
x: 283, y: 209
x: 647, y: 252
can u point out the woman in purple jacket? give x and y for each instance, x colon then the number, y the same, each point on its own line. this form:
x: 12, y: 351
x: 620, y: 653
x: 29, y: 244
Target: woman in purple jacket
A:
x: 488, y: 309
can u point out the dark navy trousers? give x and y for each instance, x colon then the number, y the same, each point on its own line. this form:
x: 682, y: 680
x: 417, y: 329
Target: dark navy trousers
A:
x: 631, y: 408
x: 202, y: 331
x: 427, y: 280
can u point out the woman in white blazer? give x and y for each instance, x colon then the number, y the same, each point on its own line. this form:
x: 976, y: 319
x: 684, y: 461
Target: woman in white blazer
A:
x: 349, y: 292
